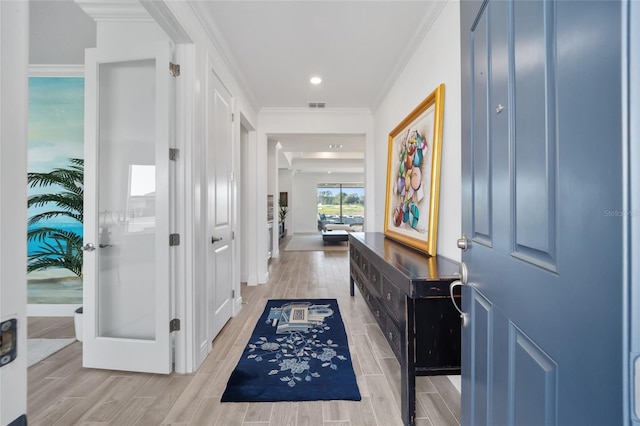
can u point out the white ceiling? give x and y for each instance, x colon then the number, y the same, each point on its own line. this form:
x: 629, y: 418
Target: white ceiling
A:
x: 359, y: 48
x: 312, y: 153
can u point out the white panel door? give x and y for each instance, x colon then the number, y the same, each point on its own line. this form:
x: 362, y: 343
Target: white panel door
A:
x: 219, y: 236
x: 126, y: 227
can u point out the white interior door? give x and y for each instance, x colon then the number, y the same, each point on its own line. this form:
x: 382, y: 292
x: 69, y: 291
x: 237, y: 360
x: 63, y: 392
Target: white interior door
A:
x: 126, y: 226
x: 219, y: 236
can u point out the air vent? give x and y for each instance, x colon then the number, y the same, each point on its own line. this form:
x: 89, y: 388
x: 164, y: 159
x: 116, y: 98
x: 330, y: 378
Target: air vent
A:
x: 316, y: 104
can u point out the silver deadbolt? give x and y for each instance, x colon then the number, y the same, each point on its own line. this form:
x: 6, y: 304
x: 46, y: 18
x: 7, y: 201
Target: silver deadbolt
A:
x: 215, y: 239
x: 88, y: 247
x: 463, y: 243
x: 499, y: 108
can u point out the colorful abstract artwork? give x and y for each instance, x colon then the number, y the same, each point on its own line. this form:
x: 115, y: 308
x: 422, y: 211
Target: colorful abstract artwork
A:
x: 413, y: 175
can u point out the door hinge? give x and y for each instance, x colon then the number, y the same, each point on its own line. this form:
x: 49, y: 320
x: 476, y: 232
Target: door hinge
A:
x: 174, y: 69
x: 174, y: 325
x: 232, y: 176
x: 233, y: 294
x: 174, y: 239
x: 173, y: 154
x: 233, y: 235
x: 233, y: 116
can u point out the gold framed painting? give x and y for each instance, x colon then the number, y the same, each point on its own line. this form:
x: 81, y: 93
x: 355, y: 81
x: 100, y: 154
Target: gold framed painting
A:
x: 413, y: 175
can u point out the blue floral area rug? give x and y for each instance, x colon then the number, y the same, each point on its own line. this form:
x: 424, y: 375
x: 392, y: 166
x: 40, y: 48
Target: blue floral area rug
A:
x: 297, y: 352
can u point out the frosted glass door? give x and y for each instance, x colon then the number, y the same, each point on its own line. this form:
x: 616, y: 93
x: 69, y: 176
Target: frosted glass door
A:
x: 127, y: 274
x: 127, y: 200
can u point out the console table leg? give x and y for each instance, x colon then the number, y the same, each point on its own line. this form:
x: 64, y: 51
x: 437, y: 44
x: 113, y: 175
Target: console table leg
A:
x: 351, y: 286
x: 408, y: 391
x: 408, y: 370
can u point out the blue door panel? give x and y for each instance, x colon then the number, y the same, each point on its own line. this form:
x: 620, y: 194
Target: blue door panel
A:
x: 499, y: 108
x: 500, y: 396
x: 481, y: 150
x: 541, y: 165
x: 534, y: 132
x: 533, y: 382
x: 482, y: 331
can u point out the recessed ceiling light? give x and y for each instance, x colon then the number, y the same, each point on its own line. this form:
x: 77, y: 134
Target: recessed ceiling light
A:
x: 315, y: 80
x: 335, y: 146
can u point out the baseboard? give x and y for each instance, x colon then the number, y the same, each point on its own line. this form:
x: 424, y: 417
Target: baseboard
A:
x: 47, y: 310
x: 238, y: 306
x: 456, y: 382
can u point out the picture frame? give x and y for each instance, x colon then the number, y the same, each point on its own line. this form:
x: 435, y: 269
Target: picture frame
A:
x: 413, y: 175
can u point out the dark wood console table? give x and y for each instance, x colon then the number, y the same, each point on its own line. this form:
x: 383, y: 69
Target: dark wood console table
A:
x: 408, y: 293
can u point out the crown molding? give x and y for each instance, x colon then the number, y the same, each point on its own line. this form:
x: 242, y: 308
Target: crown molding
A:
x: 115, y: 10
x: 161, y: 12
x: 47, y: 70
x: 314, y: 111
x: 210, y: 28
x: 428, y: 21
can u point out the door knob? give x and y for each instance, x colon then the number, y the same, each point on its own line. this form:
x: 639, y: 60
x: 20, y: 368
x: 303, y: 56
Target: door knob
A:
x: 88, y: 247
x: 215, y: 239
x: 462, y: 281
x: 462, y: 273
x: 463, y: 243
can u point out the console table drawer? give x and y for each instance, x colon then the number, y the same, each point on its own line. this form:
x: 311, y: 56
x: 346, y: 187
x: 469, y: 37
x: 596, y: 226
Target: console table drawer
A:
x: 394, y: 337
x: 355, y: 271
x: 375, y: 280
x: 364, y: 267
x: 393, y: 298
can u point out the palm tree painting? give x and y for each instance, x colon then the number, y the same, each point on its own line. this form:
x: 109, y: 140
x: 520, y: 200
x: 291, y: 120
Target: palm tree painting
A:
x: 58, y: 247
x: 55, y: 190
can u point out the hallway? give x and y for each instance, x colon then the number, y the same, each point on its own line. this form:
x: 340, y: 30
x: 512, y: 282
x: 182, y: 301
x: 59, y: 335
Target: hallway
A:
x: 61, y: 392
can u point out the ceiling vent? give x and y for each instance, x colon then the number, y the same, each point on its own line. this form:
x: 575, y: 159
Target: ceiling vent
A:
x: 316, y: 104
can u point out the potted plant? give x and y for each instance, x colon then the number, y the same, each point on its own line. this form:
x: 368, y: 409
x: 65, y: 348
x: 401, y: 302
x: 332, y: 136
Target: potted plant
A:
x: 58, y: 248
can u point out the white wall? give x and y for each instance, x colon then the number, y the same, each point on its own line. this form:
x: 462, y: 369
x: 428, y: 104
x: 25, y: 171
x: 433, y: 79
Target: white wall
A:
x: 14, y: 50
x: 437, y: 60
x: 304, y: 202
x: 272, y: 189
x: 59, y: 32
x: 285, y: 184
x: 243, y: 195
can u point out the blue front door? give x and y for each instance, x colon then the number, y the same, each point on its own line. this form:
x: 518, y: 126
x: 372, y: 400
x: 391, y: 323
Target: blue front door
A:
x: 542, y: 173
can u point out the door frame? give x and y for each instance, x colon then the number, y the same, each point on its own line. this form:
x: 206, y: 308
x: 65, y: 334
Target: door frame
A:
x: 631, y: 221
x: 14, y: 35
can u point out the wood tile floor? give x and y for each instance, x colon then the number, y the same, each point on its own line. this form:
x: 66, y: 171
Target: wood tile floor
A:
x: 61, y: 392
